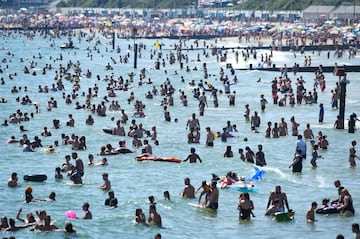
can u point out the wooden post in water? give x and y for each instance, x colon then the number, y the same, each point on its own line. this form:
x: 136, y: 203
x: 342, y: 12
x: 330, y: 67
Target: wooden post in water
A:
x: 135, y: 55
x: 113, y: 40
x: 341, y: 74
x: 135, y: 47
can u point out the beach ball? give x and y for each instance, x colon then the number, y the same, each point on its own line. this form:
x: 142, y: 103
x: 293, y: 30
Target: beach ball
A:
x: 70, y: 214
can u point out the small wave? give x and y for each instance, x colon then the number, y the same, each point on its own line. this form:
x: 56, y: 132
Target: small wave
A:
x: 321, y: 181
x: 277, y: 171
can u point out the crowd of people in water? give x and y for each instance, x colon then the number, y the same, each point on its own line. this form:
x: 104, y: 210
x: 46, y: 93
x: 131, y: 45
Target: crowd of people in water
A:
x: 73, y: 168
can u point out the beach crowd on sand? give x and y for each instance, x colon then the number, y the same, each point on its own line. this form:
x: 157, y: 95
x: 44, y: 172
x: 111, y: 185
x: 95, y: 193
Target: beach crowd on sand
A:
x: 69, y: 74
x: 125, y: 26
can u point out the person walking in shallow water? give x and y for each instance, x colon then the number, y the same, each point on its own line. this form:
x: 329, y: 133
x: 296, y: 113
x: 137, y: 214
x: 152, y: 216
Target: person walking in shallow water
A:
x: 209, y: 137
x: 263, y: 103
x: 296, y: 164
x: 352, y: 154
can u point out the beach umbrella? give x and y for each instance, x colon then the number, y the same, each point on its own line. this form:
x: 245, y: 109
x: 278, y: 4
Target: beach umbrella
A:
x: 350, y: 34
x: 175, y: 21
x: 301, y: 27
x: 141, y: 23
x: 272, y: 30
x: 311, y: 30
x: 333, y: 31
x: 330, y: 22
x: 62, y: 18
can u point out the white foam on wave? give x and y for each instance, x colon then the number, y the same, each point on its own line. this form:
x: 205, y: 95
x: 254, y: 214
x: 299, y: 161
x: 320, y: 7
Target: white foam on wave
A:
x: 321, y: 181
x: 277, y: 171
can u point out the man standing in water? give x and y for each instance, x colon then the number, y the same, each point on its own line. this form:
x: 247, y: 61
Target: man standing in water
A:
x: 213, y: 201
x: 280, y: 197
x: 209, y: 137
x: 78, y: 171
x: 301, y: 144
x: 193, y: 156
x: 192, y: 123
x: 189, y: 190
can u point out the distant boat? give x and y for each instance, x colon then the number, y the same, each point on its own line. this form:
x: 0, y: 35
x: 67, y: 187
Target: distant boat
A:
x: 69, y: 45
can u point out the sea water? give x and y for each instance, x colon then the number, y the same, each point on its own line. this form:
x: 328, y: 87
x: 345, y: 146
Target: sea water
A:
x: 134, y: 181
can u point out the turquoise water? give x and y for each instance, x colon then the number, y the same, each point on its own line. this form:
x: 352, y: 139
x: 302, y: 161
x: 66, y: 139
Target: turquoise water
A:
x: 134, y: 181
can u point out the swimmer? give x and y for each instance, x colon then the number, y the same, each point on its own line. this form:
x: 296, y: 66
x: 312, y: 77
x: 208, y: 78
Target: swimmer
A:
x: 154, y: 216
x: 13, y: 180
x: 4, y: 223
x: 140, y: 216
x: 192, y: 157
x: 310, y: 215
x: 166, y: 195
x: 228, y: 180
x: 50, y: 149
x: 228, y: 153
x: 103, y: 162
x: 355, y: 228
x: 69, y: 229
x: 209, y: 137
x: 346, y: 207
x: 88, y: 214
x: 111, y: 200
x: 189, y: 190
x: 12, y: 140
x: 352, y: 154
x: 47, y: 226
x: 213, y: 200
x: 277, y: 201
x: 107, y: 184
x: 12, y: 227
x: 157, y: 236
x: 91, y: 160
x: 30, y: 219
x: 51, y: 198
x: 78, y: 171
x: 28, y: 195
x: 245, y: 206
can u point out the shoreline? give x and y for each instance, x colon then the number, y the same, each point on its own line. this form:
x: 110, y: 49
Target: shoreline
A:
x: 264, y: 42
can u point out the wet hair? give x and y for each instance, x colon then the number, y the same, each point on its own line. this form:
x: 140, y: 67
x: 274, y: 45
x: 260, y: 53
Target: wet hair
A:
x: 203, y: 183
x: 52, y: 195
x: 69, y: 228
x: 355, y: 226
x: 325, y: 201
x: 151, y: 199
x: 167, y: 195
x: 247, y: 196
x: 138, y: 211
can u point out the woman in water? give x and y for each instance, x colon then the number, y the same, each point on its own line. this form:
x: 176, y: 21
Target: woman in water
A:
x: 346, y: 208
x: 228, y: 153
x: 245, y: 206
x: 297, y: 162
x: 140, y: 216
x: 294, y: 126
x: 352, y: 153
